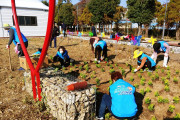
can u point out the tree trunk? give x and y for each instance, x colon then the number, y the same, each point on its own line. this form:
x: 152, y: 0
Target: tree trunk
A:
x: 99, y: 28
x: 111, y: 27
x: 146, y: 30
x: 139, y: 29
x: 178, y: 32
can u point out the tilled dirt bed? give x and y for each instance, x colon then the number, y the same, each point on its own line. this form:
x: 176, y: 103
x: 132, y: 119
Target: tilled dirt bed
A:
x: 157, y: 93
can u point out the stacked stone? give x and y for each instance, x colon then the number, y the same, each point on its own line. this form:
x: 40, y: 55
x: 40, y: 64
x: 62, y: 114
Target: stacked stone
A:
x: 66, y: 105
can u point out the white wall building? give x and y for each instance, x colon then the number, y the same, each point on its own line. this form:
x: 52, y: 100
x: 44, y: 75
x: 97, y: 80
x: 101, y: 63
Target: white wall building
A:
x: 32, y: 17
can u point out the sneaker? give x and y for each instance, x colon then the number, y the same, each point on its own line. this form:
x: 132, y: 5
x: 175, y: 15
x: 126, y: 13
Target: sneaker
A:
x: 99, y: 118
x: 165, y: 66
x: 99, y: 61
x: 95, y: 59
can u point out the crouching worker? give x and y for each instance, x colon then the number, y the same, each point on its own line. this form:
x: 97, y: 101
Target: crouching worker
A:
x: 13, y: 37
x: 100, y: 46
x: 63, y: 57
x: 121, y: 101
x: 144, y: 61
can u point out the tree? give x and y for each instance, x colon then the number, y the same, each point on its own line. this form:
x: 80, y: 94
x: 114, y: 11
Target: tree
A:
x: 118, y: 16
x: 141, y: 12
x: 85, y: 17
x: 46, y: 3
x: 174, y: 16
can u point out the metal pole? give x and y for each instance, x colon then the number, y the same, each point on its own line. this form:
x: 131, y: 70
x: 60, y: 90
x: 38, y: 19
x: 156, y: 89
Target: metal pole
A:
x: 164, y: 21
x: 77, y: 17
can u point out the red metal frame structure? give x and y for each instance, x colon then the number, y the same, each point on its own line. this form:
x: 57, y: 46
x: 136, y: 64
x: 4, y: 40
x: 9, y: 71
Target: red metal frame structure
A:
x: 35, y: 71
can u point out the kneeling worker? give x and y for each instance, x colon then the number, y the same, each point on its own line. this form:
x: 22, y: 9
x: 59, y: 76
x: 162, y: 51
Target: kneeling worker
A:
x: 144, y: 61
x: 13, y: 37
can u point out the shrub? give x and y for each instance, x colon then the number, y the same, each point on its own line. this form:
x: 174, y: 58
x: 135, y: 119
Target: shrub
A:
x: 168, y: 76
x: 142, y: 83
x: 102, y: 69
x: 139, y: 75
x: 151, y: 107
x: 142, y: 91
x: 153, y: 118
x: 156, y: 76
x: 176, y: 100
x: 156, y: 94
x: 148, y: 100
x: 177, y: 115
x: 80, y: 67
x: 150, y: 83
x: 143, y: 79
x: 177, y: 72
x: 149, y: 74
x: 175, y: 80
x: 160, y: 99
x: 163, y: 79
x: 152, y: 77
x: 148, y: 89
x: 110, y: 82
x: 166, y: 88
x: 171, y: 108
x: 136, y: 85
x: 166, y: 82
x: 131, y: 79
x: 162, y: 70
x: 111, y: 70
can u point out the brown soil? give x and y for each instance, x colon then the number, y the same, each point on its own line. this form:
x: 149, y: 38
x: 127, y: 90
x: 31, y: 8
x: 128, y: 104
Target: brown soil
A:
x: 15, y: 103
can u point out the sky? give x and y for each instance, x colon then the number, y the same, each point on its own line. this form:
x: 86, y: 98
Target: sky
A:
x: 123, y: 2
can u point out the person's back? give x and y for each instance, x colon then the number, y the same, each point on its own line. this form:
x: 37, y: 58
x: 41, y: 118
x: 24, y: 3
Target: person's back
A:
x: 123, y: 100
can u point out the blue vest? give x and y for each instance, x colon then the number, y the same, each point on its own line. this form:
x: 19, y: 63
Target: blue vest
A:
x: 149, y: 58
x: 65, y: 54
x: 16, y: 39
x: 123, y: 100
x: 162, y: 45
x: 101, y: 43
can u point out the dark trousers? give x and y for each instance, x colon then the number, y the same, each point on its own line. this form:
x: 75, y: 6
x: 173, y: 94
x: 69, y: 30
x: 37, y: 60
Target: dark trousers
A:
x: 53, y: 38
x: 21, y: 53
x: 98, y: 51
x: 64, y: 62
x: 65, y: 35
x: 147, y: 65
x: 106, y: 102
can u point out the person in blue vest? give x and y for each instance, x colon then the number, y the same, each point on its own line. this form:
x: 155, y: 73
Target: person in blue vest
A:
x: 100, y: 46
x: 120, y: 101
x: 144, y: 61
x: 13, y: 37
x: 63, y: 57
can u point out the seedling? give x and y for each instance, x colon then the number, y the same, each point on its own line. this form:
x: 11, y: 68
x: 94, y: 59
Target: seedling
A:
x: 156, y: 71
x: 98, y: 65
x: 148, y: 100
x: 151, y: 107
x: 56, y: 69
x: 168, y: 76
x: 160, y: 99
x: 71, y: 69
x: 156, y: 76
x: 166, y: 88
x: 111, y: 66
x: 166, y: 82
x: 142, y: 91
x: 87, y: 69
x: 106, y: 59
x: 111, y: 70
x: 131, y: 79
x: 158, y: 67
x: 175, y: 80
x: 127, y: 64
x: 94, y: 72
x: 142, y: 83
x: 136, y: 85
x: 150, y: 83
x: 107, y: 115
x: 148, y: 89
x: 141, y: 71
x: 63, y: 68
x: 177, y: 72
x: 108, y: 88
x: 156, y: 94
x: 123, y: 72
x: 92, y: 76
x: 132, y: 71
x: 97, y: 81
x: 75, y: 66
x: 71, y: 64
x: 153, y: 118
x: 110, y: 82
x: 116, y: 65
x: 107, y: 64
x: 143, y: 79
x: 153, y: 77
x: 168, y: 68
x: 102, y: 69
x: 162, y: 70
x: 120, y: 68
x: 85, y: 63
x: 166, y: 100
x: 177, y: 116
x: 163, y: 79
x: 171, y: 108
x: 95, y: 62
x: 149, y: 74
x: 80, y: 67
x: 139, y: 75
x: 176, y: 100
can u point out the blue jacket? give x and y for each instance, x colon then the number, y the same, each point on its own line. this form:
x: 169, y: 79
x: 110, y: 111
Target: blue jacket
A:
x: 16, y: 39
x: 65, y: 54
x: 162, y: 45
x: 149, y: 58
x: 123, y: 100
x: 101, y: 43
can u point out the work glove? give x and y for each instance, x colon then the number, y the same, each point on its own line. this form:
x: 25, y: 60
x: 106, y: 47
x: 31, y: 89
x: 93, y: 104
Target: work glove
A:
x: 7, y: 46
x: 135, y: 70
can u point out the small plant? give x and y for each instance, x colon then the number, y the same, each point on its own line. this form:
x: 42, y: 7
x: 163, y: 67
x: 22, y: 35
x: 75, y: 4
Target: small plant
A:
x: 151, y: 107
x: 177, y: 72
x: 123, y: 72
x: 143, y: 79
x: 92, y: 76
x: 150, y: 83
x: 156, y: 76
x: 116, y: 65
x: 132, y: 71
x: 156, y: 70
x: 127, y: 64
x: 162, y: 70
x: 63, y: 68
x: 98, y: 65
x: 107, y: 116
x: 142, y: 83
x: 168, y: 68
x: 80, y: 67
x: 139, y: 75
x: 141, y: 71
x: 111, y: 71
x: 71, y: 69
x: 148, y: 89
x: 110, y: 82
x: 158, y: 67
x: 131, y: 79
x: 177, y: 116
x: 149, y: 74
x: 107, y: 64
x: 87, y: 69
x: 106, y: 59
x: 156, y: 94
x: 166, y: 82
x: 175, y: 80
x: 166, y: 88
x: 176, y: 100
x: 148, y: 100
x: 153, y: 118
x: 153, y: 77
x: 168, y: 76
x: 85, y: 63
x: 142, y: 91
x: 160, y: 99
x: 97, y: 81
x: 171, y: 108
x: 108, y: 88
x: 120, y: 68
x: 166, y: 100
x: 102, y: 69
x: 94, y: 72
x: 71, y: 64
x: 136, y: 85
x: 83, y: 75
x: 111, y: 66
x: 75, y: 66
x: 163, y: 79
x: 95, y: 62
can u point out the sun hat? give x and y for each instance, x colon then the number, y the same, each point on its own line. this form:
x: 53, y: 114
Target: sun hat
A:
x: 137, y: 53
x: 6, y: 25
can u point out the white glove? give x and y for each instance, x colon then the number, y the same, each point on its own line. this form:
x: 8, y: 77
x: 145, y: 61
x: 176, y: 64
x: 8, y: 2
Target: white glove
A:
x: 7, y: 46
x: 165, y: 54
x: 135, y: 70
